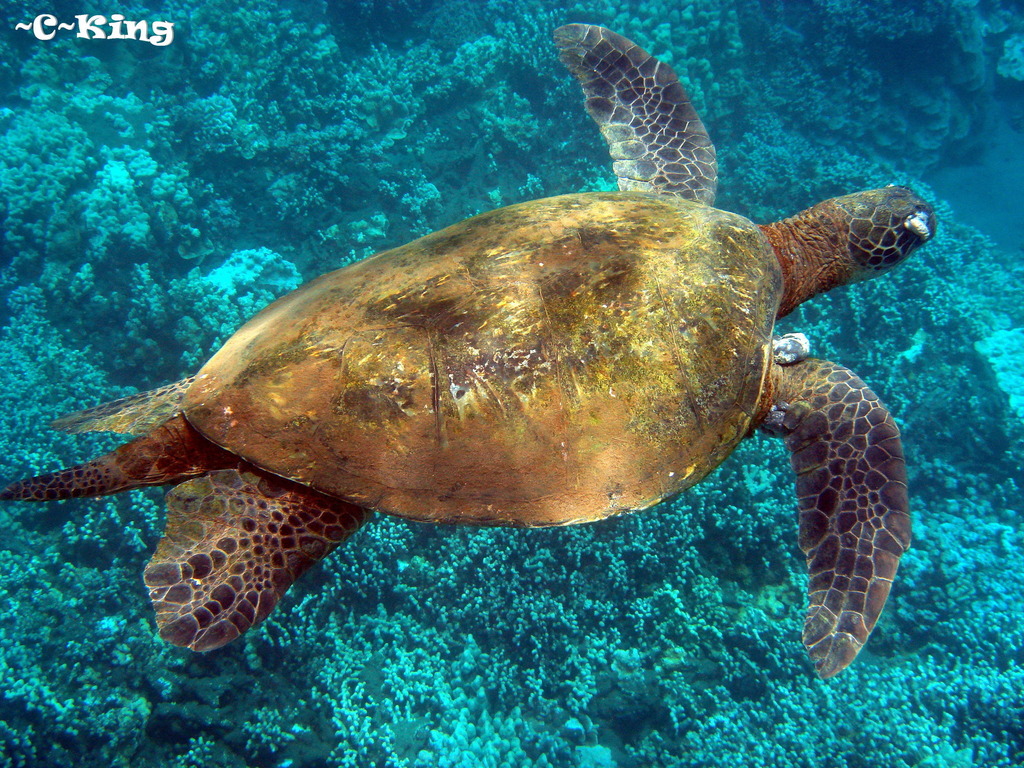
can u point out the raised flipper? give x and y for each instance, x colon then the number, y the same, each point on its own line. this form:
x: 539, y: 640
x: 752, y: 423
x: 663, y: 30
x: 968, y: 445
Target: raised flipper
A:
x: 851, y: 484
x: 133, y: 415
x: 654, y: 134
x: 235, y: 541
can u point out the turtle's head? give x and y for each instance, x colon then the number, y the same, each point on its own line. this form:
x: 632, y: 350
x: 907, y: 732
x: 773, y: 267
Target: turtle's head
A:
x: 883, y: 227
x: 847, y: 239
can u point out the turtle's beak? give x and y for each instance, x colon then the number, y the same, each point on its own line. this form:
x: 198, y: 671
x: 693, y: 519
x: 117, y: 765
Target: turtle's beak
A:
x: 919, y: 223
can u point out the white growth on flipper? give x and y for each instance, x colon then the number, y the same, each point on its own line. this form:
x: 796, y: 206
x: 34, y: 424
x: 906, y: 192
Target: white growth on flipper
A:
x: 790, y: 348
x: 1005, y: 352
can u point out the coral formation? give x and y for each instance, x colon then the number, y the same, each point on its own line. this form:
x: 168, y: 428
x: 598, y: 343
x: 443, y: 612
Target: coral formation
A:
x: 1011, y: 63
x: 153, y: 199
x: 1005, y: 352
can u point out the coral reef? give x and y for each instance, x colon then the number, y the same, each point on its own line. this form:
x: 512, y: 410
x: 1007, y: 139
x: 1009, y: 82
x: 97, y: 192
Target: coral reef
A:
x: 1005, y: 352
x: 154, y: 199
x: 1011, y: 63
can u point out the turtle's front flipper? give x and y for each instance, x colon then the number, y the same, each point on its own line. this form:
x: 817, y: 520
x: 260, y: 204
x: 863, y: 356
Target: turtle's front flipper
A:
x: 851, y: 484
x: 234, y: 542
x: 653, y: 132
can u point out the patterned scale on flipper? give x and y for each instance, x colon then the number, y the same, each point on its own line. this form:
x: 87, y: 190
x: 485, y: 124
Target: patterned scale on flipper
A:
x: 235, y: 541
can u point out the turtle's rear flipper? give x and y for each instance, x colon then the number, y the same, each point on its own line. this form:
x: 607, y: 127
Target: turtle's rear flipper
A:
x: 170, y: 453
x: 851, y: 484
x: 235, y: 541
x: 133, y: 415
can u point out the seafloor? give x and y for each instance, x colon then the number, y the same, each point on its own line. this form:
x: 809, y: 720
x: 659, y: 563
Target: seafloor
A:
x: 155, y: 197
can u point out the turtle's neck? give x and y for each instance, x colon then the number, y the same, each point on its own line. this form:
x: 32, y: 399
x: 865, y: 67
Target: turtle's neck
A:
x: 812, y: 250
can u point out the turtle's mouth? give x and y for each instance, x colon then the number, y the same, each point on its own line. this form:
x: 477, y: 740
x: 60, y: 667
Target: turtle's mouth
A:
x: 918, y: 223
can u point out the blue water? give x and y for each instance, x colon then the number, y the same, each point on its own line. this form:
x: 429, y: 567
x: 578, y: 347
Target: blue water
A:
x: 155, y: 196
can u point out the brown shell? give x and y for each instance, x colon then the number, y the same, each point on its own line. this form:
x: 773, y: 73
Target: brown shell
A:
x: 552, y: 362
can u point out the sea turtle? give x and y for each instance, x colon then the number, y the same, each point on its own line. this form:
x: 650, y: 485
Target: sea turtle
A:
x: 548, y: 363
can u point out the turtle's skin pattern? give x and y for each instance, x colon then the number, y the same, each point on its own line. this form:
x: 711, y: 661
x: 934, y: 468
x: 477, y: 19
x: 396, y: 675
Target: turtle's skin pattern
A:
x: 851, y: 487
x: 655, y: 136
x: 222, y: 565
x: 544, y: 359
